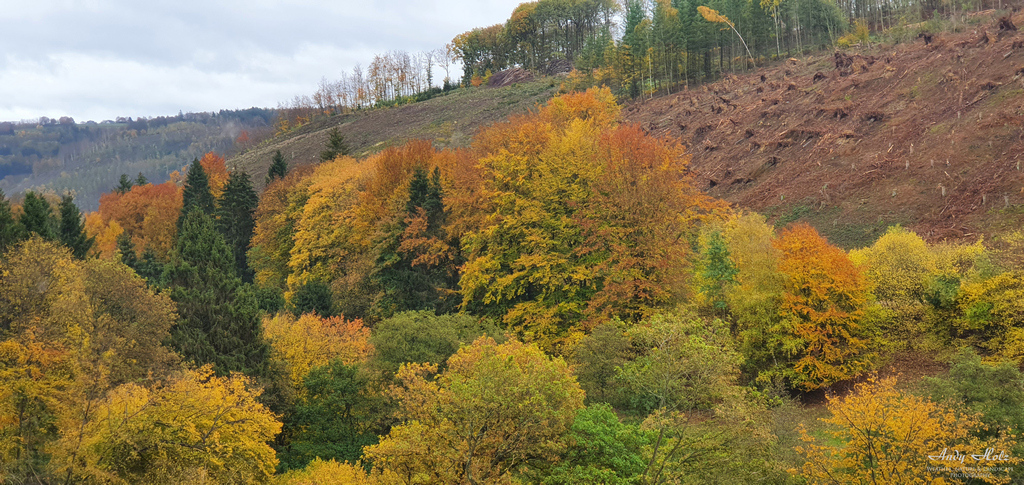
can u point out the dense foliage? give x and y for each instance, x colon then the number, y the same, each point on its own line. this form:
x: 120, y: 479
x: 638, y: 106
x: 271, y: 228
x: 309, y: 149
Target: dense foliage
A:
x: 555, y: 304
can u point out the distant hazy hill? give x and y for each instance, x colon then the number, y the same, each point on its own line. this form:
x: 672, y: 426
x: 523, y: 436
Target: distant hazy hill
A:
x: 87, y: 158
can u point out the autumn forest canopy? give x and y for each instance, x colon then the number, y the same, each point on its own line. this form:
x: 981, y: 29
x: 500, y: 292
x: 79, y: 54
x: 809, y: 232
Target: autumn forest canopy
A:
x: 556, y: 303
x: 549, y: 300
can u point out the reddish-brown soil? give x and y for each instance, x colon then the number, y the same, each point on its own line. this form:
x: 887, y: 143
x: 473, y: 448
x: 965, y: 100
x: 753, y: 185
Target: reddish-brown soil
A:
x: 930, y: 137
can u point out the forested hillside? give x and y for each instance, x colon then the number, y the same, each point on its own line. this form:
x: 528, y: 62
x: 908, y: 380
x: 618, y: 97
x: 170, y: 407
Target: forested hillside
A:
x: 557, y: 302
x: 60, y: 155
x: 601, y: 276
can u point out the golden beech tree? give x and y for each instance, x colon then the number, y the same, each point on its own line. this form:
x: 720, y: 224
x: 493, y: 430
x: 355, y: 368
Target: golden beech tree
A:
x: 991, y: 315
x: 106, y: 235
x: 323, y: 237
x: 820, y: 333
x: 898, y: 265
x: 880, y: 435
x: 312, y: 341
x: 521, y: 265
x: 495, y: 408
x: 330, y: 472
x: 584, y: 221
x: 279, y: 210
x: 755, y: 297
x: 198, y: 428
x: 71, y: 330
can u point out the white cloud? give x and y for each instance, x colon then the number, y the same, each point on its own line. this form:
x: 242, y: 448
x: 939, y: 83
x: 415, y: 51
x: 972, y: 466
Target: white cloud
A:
x: 98, y: 59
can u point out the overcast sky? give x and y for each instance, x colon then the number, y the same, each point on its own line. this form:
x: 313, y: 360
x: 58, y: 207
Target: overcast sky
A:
x: 99, y: 59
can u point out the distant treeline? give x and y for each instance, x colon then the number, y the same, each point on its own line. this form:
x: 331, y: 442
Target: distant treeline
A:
x: 60, y: 155
x: 636, y: 46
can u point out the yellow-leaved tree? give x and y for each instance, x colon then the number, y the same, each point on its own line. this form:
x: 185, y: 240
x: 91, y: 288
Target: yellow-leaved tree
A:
x: 199, y: 428
x: 323, y: 234
x: 879, y: 434
x: 898, y: 265
x: 991, y: 315
x: 313, y: 341
x: 586, y: 221
x: 493, y: 410
x: 69, y: 332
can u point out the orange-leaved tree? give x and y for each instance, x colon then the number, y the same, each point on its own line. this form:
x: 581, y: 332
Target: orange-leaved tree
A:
x: 105, y: 233
x: 638, y: 225
x: 148, y: 213
x: 820, y: 337
x: 216, y: 172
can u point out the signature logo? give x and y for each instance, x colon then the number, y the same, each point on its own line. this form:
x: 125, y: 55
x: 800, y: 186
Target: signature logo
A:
x: 955, y: 455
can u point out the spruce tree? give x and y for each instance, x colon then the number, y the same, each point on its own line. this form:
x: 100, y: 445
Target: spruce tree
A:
x: 405, y: 286
x: 336, y: 146
x: 38, y: 217
x: 150, y: 268
x: 278, y: 168
x: 236, y: 219
x: 197, y: 192
x: 11, y: 230
x: 141, y: 180
x: 124, y: 184
x: 219, y: 316
x: 72, y: 231
x: 127, y: 249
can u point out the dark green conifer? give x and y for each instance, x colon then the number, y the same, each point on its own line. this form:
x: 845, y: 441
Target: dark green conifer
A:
x: 236, y: 219
x: 404, y: 286
x: 124, y: 184
x: 336, y: 146
x: 38, y: 217
x: 197, y: 192
x: 126, y: 247
x: 141, y: 180
x: 278, y: 168
x: 219, y: 316
x: 150, y: 268
x: 72, y: 230
x: 11, y: 230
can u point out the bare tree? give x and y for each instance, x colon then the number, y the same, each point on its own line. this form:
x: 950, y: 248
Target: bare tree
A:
x: 428, y: 65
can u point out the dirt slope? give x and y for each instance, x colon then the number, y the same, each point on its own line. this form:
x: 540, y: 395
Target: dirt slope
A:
x: 450, y: 121
x: 927, y: 136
